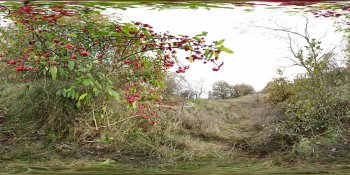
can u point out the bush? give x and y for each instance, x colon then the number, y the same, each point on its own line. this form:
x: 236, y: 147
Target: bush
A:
x: 125, y: 61
x: 36, y: 106
x: 279, y: 90
x: 242, y: 90
x: 312, y: 104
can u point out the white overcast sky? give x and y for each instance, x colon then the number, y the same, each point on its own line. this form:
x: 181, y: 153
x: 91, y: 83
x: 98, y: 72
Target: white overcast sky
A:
x: 258, y: 52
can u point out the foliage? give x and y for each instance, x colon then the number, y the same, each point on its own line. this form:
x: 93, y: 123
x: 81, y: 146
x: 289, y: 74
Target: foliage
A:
x: 175, y: 83
x: 279, y: 90
x: 242, y: 90
x: 178, y: 85
x: 111, y: 60
x: 312, y: 104
x: 187, y: 94
x: 221, y: 90
x: 36, y: 107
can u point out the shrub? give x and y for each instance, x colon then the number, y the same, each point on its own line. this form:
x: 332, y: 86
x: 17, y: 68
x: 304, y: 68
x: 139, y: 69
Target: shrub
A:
x: 36, y: 107
x: 278, y: 90
x: 96, y: 56
x: 242, y: 90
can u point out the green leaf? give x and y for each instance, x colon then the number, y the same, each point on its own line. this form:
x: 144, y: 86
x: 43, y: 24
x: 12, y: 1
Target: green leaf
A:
x: 82, y: 96
x: 69, y: 94
x: 220, y: 42
x: 63, y: 72
x: 216, y: 54
x: 115, y: 34
x: 83, y: 69
x: 227, y: 50
x: 64, y: 94
x: 78, y: 104
x: 87, y: 82
x: 109, y: 80
x: 114, y: 94
x: 190, y: 59
x: 211, y: 54
x: 53, y: 71
x: 125, y: 29
x: 102, y: 33
x: 97, y: 84
x: 96, y: 91
x: 71, y: 65
x: 72, y: 35
x: 59, y: 92
x: 204, y: 33
x: 134, y: 105
x: 206, y: 53
x: 196, y: 38
x: 73, y: 94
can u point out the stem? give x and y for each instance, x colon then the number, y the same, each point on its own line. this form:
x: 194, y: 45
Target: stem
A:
x: 94, y: 118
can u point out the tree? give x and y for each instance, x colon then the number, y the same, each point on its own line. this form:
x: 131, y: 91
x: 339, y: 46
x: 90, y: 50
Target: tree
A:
x: 242, y: 90
x: 178, y: 85
x: 197, y: 87
x: 175, y: 83
x: 187, y: 94
x: 210, y: 95
x: 309, y: 55
x: 221, y: 90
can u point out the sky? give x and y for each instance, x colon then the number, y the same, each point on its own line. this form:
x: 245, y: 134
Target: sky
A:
x: 258, y: 52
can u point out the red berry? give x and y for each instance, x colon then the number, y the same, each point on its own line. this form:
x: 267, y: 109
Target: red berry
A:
x: 56, y: 41
x: 133, y: 32
x: 74, y: 57
x: 13, y: 62
x: 131, y: 99
x: 56, y: 63
x: 69, y: 46
x: 84, y: 53
x: 20, y: 68
x: 215, y: 69
x: 127, y: 62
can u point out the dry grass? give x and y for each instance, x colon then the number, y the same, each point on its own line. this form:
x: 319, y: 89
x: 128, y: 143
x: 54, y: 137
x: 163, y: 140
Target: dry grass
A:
x: 224, y: 124
x: 204, y: 128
